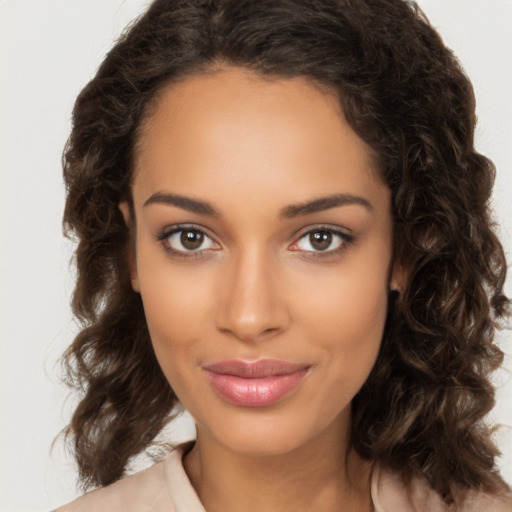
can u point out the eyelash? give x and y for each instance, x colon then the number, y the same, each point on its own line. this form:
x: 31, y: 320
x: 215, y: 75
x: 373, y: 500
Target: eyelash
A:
x: 346, y: 241
x: 163, y: 238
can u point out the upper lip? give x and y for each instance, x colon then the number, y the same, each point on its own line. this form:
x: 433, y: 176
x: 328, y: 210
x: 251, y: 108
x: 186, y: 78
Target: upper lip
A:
x: 255, y: 369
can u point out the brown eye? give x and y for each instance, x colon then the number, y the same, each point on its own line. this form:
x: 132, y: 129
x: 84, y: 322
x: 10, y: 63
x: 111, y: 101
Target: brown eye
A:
x: 320, y: 240
x: 187, y: 240
x: 191, y: 240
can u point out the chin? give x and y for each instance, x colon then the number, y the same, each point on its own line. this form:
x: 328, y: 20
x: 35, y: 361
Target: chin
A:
x: 262, y: 446
x: 262, y: 433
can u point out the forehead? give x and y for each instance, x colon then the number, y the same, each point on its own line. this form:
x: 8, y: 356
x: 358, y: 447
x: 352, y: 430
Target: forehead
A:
x: 236, y: 129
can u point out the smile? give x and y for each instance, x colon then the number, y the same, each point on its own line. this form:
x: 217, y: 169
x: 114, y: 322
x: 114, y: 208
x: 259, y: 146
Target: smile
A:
x: 255, y: 384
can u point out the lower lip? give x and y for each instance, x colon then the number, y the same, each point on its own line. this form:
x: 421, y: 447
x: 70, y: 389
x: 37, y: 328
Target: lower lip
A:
x: 256, y: 392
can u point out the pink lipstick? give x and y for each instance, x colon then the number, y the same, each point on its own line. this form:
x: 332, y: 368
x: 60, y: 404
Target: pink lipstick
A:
x: 255, y: 383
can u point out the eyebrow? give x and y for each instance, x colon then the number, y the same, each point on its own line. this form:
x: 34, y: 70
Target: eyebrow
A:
x: 290, y: 211
x: 324, y: 203
x: 183, y: 202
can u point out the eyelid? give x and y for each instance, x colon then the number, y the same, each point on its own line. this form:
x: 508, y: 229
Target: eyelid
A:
x: 169, y: 231
x: 347, y: 239
x: 164, y: 234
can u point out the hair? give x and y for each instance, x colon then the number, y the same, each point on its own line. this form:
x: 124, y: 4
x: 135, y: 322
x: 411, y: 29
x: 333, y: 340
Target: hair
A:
x: 422, y: 410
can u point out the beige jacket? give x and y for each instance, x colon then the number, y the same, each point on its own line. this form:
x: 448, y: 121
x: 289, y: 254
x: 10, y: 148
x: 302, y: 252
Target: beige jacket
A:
x: 165, y: 487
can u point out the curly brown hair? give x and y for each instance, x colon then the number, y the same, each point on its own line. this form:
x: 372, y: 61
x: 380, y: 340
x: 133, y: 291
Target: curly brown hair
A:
x: 421, y: 412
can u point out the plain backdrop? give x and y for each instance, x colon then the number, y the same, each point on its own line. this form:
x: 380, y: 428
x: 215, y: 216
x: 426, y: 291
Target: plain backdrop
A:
x: 49, y: 50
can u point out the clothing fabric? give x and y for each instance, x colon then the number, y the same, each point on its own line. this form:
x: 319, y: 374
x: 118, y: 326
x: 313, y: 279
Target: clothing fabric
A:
x: 165, y: 487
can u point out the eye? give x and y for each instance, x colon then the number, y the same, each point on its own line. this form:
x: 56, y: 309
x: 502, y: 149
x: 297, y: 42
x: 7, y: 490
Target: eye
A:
x: 322, y: 240
x: 187, y: 240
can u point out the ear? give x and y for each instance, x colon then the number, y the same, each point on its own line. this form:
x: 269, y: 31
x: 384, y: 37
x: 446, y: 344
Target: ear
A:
x: 127, y: 212
x: 398, y: 277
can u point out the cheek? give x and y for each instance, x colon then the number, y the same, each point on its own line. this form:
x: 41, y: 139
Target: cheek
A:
x: 346, y: 319
x: 350, y: 298
x: 174, y: 314
x: 176, y: 300
x: 175, y: 310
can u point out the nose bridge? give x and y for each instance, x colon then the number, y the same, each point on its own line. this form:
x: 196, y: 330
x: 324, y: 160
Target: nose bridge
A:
x: 250, y: 306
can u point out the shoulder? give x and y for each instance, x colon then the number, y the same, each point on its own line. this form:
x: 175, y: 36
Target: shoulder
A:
x: 391, y: 494
x: 141, y: 492
x: 163, y: 487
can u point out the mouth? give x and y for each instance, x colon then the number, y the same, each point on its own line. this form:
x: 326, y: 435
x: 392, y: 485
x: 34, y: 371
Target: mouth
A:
x: 255, y: 383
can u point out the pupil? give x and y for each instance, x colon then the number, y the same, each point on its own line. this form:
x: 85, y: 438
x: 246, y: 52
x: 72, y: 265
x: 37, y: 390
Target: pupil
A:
x: 320, y: 240
x: 191, y: 239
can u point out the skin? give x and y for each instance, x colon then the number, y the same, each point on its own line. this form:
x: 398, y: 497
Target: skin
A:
x: 257, y: 287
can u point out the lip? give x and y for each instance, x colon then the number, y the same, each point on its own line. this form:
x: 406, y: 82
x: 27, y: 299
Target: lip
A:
x: 255, y: 383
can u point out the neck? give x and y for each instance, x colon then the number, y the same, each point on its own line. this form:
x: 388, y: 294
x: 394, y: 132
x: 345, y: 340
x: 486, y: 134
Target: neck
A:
x: 319, y: 475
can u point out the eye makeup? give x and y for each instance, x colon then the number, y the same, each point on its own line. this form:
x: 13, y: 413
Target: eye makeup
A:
x: 194, y: 241
x: 186, y: 241
x: 324, y: 241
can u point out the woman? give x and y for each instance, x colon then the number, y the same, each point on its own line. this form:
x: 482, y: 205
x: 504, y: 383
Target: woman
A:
x: 283, y: 226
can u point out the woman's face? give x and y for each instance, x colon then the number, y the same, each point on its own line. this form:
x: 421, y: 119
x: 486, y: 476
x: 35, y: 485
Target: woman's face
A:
x: 263, y: 256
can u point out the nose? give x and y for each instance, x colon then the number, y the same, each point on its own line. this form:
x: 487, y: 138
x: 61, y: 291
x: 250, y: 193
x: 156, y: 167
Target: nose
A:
x: 251, y: 304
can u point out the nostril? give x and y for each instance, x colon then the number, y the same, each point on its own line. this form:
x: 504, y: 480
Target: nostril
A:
x: 253, y: 329
x: 250, y: 306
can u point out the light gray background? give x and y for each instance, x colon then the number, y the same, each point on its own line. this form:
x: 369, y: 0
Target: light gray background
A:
x: 49, y: 50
